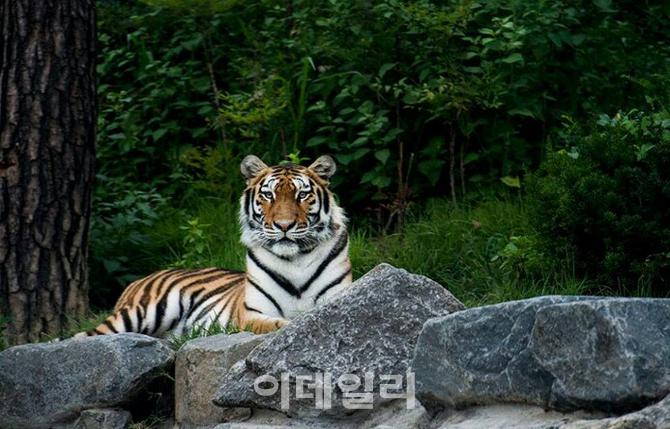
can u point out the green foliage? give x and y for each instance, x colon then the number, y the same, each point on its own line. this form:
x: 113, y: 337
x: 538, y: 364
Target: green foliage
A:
x: 119, y: 234
x: 196, y: 249
x: 606, y: 195
x: 484, y: 252
x: 406, y: 95
x: 414, y: 99
x: 207, y: 235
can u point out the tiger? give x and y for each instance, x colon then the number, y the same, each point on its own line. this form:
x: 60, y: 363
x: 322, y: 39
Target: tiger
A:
x: 297, y: 257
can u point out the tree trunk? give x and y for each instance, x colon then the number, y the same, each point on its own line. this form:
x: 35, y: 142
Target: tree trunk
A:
x: 47, y: 154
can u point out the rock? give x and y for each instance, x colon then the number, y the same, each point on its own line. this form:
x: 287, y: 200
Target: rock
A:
x: 507, y: 416
x: 199, y: 370
x: 392, y: 414
x: 395, y: 415
x: 103, y: 418
x: 43, y: 384
x: 480, y: 356
x: 610, y: 354
x: 564, y: 353
x: 371, y: 328
x: 655, y: 416
x: 292, y: 425
x: 268, y: 419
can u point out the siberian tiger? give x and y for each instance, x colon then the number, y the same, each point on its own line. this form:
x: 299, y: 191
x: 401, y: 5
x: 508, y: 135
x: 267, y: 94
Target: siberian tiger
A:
x: 297, y: 256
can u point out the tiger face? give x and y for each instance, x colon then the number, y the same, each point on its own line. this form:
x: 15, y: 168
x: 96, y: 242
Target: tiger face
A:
x: 288, y: 209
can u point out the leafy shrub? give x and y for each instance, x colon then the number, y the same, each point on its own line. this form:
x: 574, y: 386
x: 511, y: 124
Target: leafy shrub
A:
x: 119, y: 238
x: 606, y: 194
x: 196, y: 248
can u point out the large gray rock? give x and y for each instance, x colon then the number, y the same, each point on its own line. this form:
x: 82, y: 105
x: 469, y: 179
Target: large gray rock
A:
x: 103, y: 418
x: 200, y: 367
x: 371, y: 328
x: 563, y: 353
x: 507, y: 416
x: 394, y: 415
x: 655, y: 416
x: 390, y: 415
x: 612, y: 354
x: 42, y: 384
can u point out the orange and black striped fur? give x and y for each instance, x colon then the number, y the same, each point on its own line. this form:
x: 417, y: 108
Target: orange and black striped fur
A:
x: 297, y: 256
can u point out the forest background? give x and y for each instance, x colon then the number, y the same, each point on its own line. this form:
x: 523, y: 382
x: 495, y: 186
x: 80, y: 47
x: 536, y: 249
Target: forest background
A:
x: 506, y: 149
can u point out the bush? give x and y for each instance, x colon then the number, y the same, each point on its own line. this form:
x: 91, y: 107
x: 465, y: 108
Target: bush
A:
x: 606, y: 194
x: 120, y: 239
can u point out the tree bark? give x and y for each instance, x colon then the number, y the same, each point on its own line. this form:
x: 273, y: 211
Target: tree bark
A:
x: 47, y: 155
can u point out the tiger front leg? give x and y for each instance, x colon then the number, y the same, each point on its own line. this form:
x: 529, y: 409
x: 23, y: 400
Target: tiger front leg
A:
x: 261, y: 324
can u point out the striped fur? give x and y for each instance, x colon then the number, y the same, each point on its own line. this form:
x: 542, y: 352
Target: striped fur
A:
x: 297, y: 256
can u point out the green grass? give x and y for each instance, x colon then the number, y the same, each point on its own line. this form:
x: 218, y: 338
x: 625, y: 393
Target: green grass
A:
x: 74, y: 326
x: 483, y: 253
x: 177, y: 341
x: 205, y: 234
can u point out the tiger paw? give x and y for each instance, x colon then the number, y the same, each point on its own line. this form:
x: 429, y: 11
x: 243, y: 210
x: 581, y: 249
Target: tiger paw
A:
x: 265, y: 325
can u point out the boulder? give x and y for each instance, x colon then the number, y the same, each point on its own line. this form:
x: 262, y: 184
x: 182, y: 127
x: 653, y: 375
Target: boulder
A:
x: 655, y: 416
x: 367, y: 332
x: 103, y: 418
x: 508, y: 416
x: 393, y: 414
x: 199, y: 370
x: 396, y: 416
x: 43, y: 384
x: 564, y: 353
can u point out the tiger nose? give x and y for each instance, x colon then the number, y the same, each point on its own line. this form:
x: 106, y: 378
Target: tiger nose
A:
x: 284, y: 225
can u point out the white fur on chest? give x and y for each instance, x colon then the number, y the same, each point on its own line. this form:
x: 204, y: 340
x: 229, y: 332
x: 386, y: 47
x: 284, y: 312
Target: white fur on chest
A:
x: 298, y: 272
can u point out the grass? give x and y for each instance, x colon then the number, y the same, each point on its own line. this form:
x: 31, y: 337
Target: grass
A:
x: 177, y: 341
x: 205, y: 234
x: 483, y: 253
x: 91, y: 321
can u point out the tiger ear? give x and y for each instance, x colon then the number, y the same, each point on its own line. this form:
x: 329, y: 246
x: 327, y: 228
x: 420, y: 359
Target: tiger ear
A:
x: 324, y: 167
x: 251, y: 165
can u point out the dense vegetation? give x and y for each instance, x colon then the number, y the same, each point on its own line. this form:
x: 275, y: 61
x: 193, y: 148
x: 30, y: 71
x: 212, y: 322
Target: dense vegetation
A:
x: 606, y: 195
x: 436, y: 111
